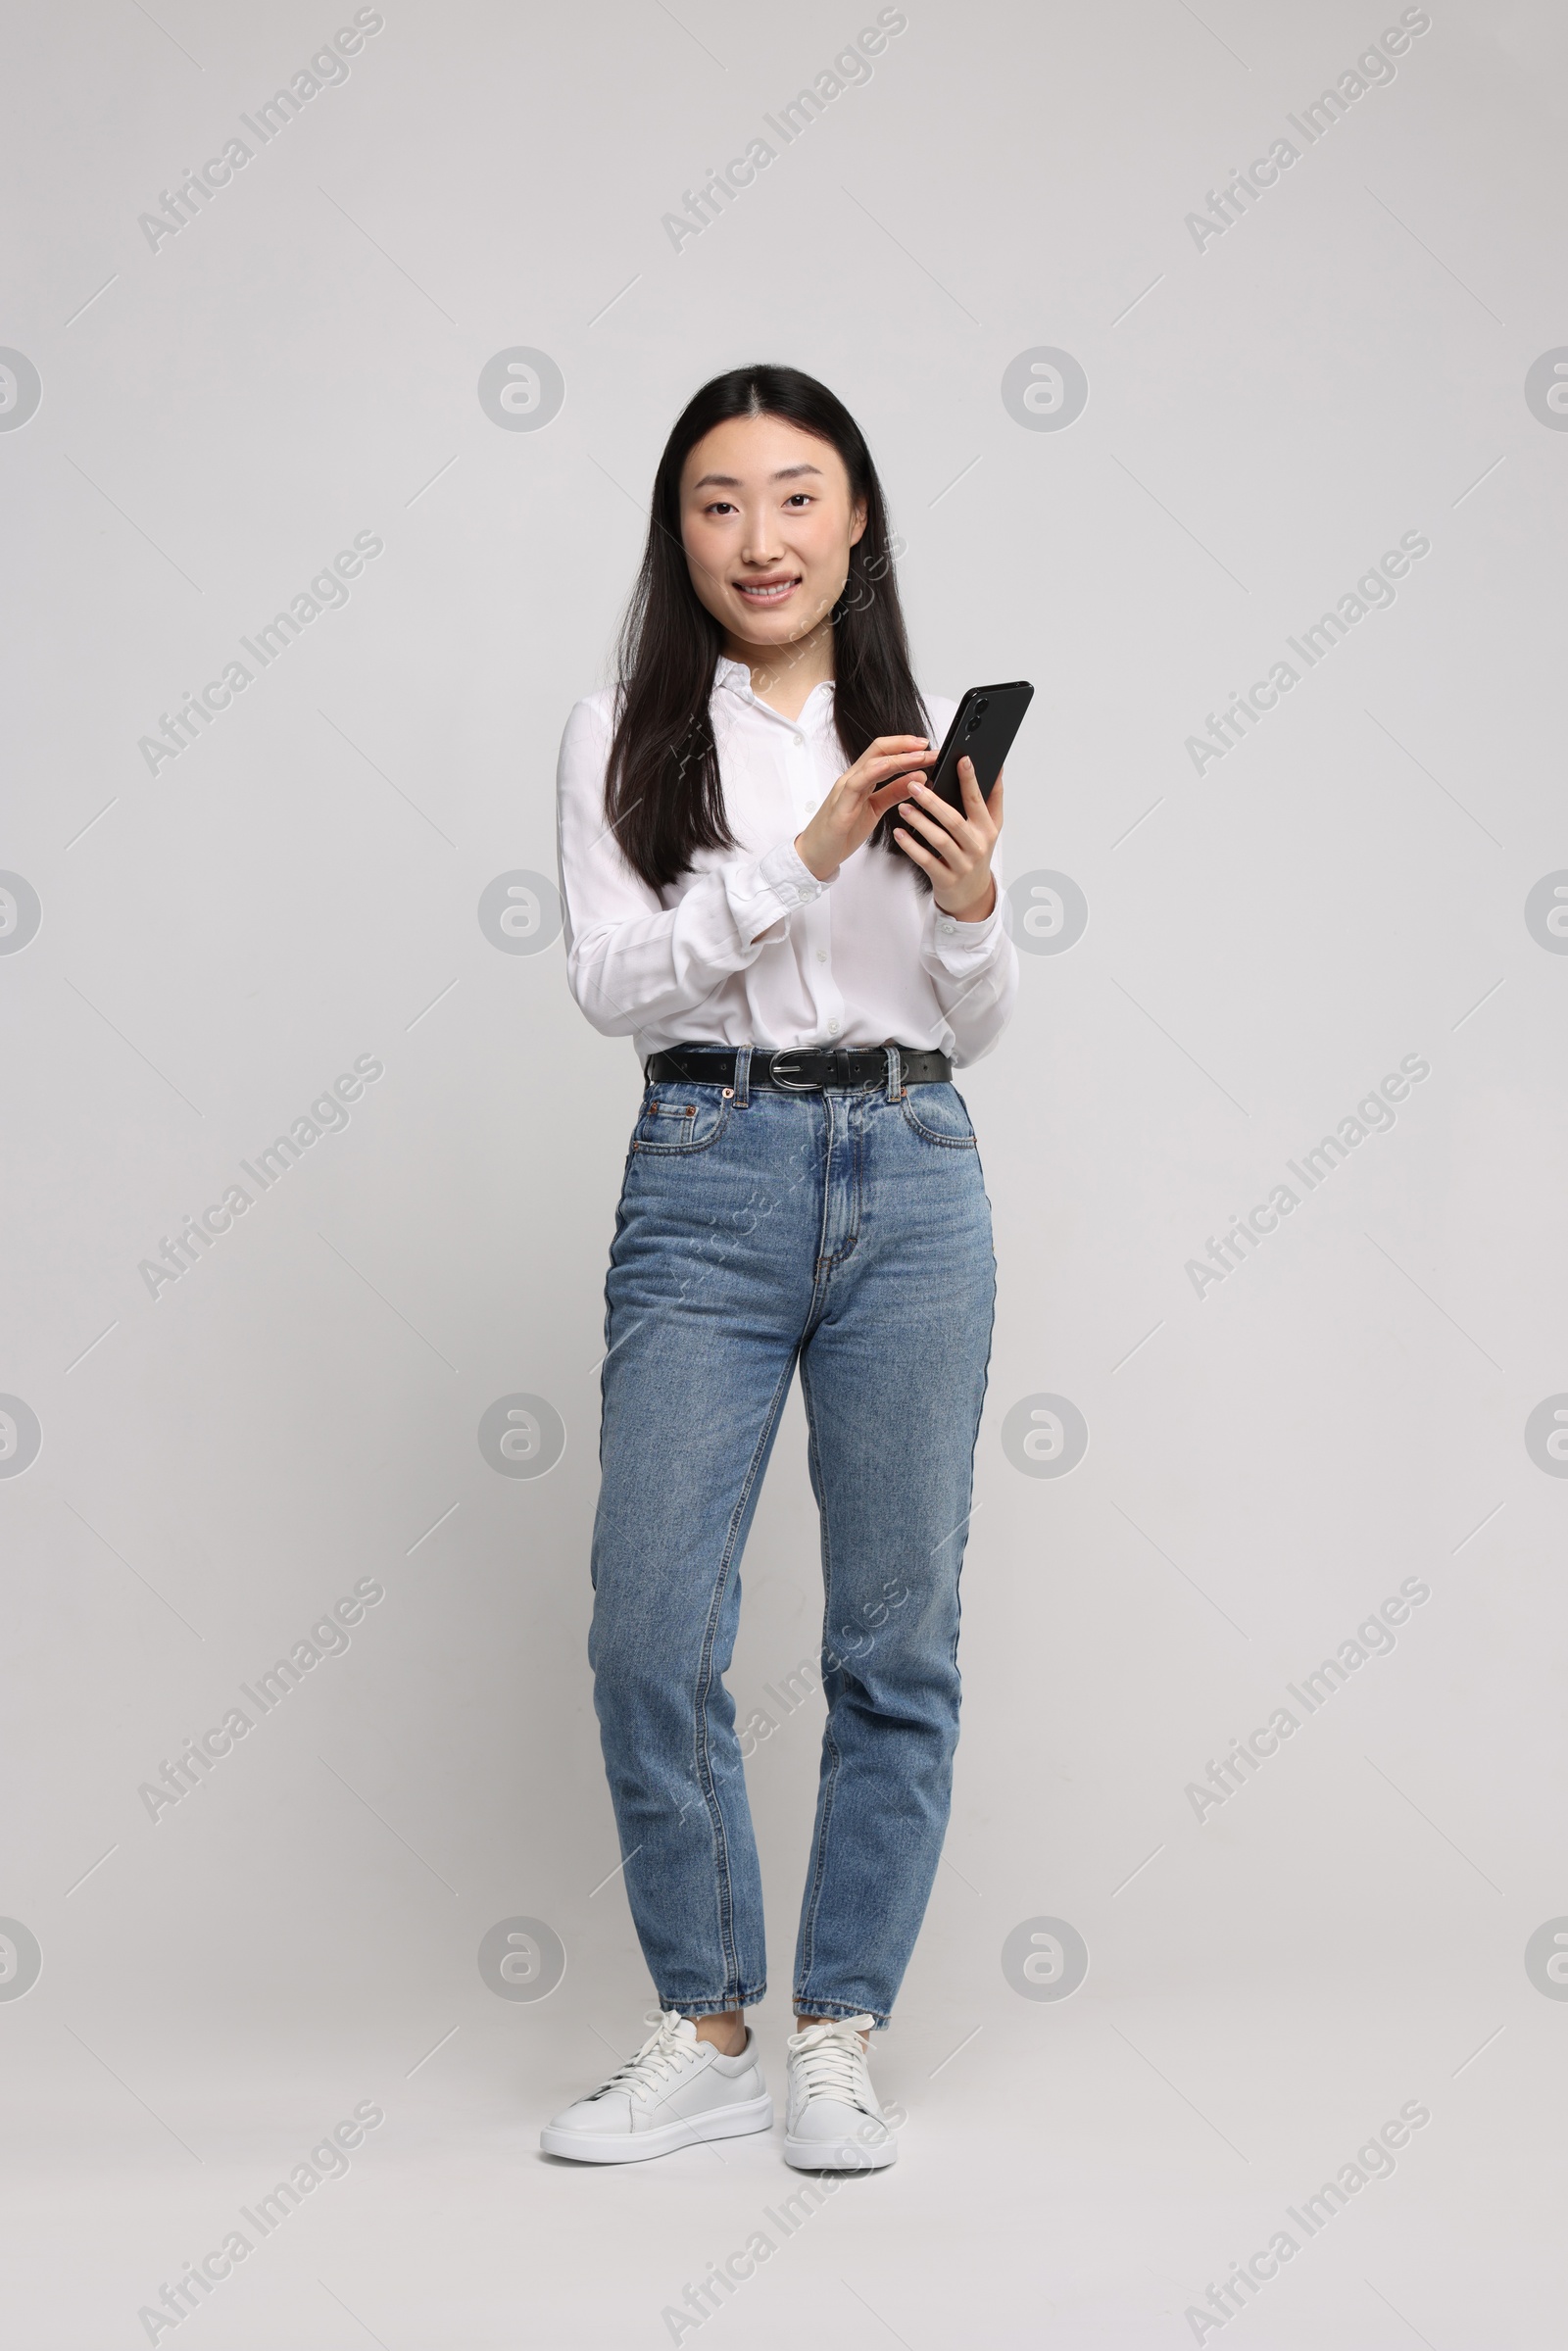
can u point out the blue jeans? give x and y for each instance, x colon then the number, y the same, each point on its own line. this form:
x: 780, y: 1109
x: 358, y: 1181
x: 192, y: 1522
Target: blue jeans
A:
x: 848, y: 1232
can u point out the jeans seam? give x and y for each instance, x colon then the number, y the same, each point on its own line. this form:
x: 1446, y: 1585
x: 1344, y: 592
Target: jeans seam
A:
x: 745, y: 1995
x: 823, y: 1261
x: 702, y: 1761
x: 620, y: 1227
x: 980, y: 1413
x: 836, y: 1137
x: 830, y: 1789
x: 808, y: 2005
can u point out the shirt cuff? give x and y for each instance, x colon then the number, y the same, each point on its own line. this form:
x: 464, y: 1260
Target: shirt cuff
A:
x: 959, y: 945
x: 763, y: 892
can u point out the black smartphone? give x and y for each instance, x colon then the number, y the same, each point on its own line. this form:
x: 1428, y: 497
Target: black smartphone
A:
x: 983, y: 729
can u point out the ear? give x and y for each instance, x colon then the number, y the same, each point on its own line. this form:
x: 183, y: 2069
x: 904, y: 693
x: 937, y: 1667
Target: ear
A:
x: 858, y: 524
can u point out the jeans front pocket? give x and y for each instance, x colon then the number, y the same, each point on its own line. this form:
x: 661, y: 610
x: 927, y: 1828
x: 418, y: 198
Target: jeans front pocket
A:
x: 677, y: 1118
x: 936, y: 1114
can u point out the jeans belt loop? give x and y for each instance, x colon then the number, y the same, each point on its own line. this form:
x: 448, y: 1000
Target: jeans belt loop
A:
x: 743, y: 1075
x: 895, y: 1073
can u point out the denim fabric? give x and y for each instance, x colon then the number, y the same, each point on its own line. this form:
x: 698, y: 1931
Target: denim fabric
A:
x: 848, y: 1232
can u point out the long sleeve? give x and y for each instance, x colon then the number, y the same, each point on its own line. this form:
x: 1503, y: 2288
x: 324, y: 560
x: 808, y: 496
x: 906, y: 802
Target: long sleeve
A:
x: 631, y: 962
x: 973, y: 968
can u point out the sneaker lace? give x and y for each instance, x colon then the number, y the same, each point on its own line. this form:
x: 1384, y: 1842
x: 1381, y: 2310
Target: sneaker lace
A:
x: 833, y: 2064
x: 660, y: 2056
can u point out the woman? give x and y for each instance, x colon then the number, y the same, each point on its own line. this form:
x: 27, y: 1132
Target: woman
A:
x: 802, y: 939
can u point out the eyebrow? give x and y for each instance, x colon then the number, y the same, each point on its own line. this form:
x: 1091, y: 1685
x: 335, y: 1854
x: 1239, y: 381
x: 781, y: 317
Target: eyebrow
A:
x: 728, y: 481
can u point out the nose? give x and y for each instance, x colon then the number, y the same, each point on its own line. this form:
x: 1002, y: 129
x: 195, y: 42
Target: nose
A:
x: 760, y: 545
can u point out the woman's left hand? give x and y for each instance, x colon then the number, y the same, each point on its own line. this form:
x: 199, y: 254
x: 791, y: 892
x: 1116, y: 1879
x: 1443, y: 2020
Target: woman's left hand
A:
x: 953, y: 846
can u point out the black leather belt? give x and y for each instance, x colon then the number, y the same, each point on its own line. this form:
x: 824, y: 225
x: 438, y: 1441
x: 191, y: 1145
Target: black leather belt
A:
x: 802, y: 1070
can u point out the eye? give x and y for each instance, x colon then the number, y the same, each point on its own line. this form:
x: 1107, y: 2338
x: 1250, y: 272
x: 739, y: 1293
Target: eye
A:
x: 720, y: 506
x: 800, y: 498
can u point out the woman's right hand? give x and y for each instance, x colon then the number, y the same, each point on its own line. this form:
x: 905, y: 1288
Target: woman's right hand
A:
x: 852, y: 810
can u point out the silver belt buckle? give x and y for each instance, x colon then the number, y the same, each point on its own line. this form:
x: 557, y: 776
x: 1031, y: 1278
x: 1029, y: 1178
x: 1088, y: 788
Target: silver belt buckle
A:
x: 787, y: 1085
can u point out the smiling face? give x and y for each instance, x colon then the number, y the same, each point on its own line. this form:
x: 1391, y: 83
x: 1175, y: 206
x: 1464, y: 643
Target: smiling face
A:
x: 767, y: 522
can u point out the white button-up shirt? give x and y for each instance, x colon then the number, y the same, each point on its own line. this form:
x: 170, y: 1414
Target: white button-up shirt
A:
x: 748, y: 947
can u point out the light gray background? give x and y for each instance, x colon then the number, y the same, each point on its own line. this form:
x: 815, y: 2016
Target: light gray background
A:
x: 301, y: 886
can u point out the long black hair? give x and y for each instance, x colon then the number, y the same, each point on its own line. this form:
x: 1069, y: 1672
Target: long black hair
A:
x: 663, y: 796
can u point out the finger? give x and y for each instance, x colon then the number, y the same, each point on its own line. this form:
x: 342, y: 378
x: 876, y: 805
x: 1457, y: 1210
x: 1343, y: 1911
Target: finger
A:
x: 922, y: 857
x: 885, y: 753
x: 900, y: 762
x: 945, y: 848
x: 867, y: 797
x: 975, y: 800
x: 946, y: 815
x: 993, y: 803
x: 872, y: 773
x: 924, y: 823
x: 888, y: 749
x: 883, y: 797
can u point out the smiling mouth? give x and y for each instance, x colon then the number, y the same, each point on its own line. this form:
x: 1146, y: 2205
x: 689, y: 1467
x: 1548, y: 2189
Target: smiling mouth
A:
x: 766, y: 590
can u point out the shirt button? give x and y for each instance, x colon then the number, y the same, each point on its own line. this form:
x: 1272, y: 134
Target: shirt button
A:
x: 947, y: 924
x: 821, y: 954
x: 834, y: 1026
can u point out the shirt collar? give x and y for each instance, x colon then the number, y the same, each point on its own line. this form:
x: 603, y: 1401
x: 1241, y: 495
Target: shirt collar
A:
x: 737, y: 677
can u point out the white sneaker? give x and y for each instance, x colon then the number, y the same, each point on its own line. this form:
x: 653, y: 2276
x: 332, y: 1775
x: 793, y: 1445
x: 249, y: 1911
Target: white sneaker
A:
x: 832, y: 2121
x: 676, y: 2091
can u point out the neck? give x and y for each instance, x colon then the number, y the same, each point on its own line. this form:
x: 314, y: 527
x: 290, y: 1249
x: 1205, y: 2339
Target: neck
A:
x: 784, y: 676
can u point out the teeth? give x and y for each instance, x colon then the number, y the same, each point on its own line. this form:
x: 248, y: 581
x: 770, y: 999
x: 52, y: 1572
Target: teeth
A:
x: 777, y: 587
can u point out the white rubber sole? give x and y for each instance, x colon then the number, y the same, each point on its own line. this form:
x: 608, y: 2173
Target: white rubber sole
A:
x: 637, y: 2147
x: 840, y: 2155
